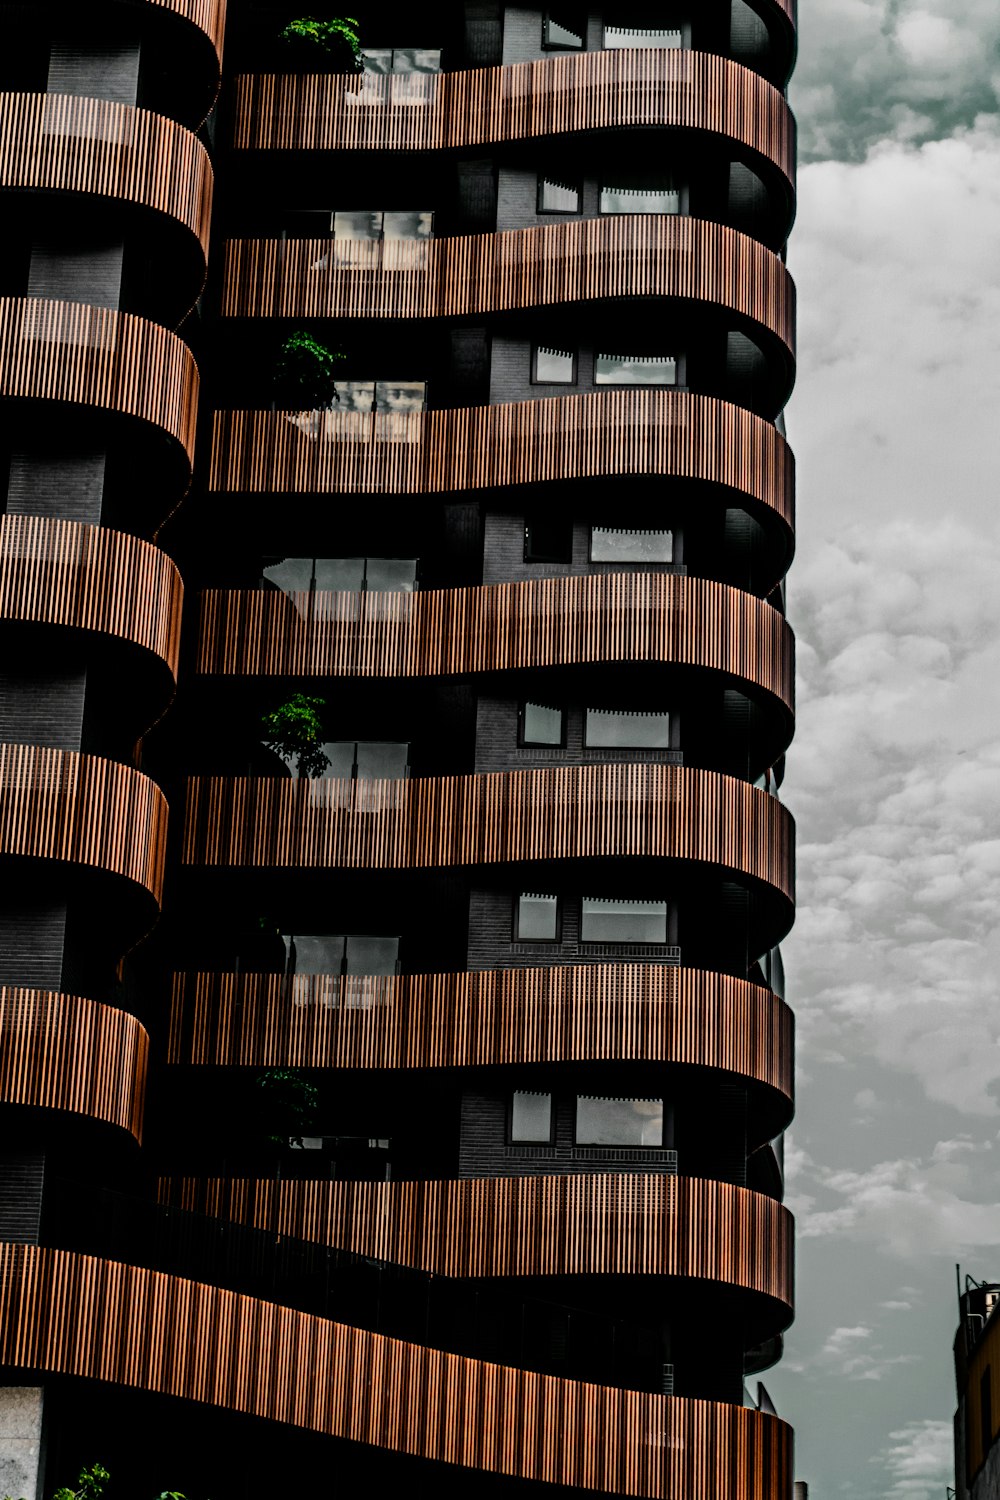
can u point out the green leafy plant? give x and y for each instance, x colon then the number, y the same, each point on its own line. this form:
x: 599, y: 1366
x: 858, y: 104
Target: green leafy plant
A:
x: 294, y: 731
x: 291, y: 1102
x: 306, y: 372
x: 337, y: 38
x: 90, y: 1485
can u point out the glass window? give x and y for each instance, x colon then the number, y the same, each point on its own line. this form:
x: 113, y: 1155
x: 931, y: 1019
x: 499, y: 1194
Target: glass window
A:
x: 378, y: 59
x: 340, y: 575
x: 354, y: 395
x: 537, y: 918
x: 618, y: 1122
x: 641, y: 36
x: 619, y: 199
x: 381, y: 760
x: 391, y: 575
x: 357, y: 224
x: 616, y: 729
x: 292, y: 574
x: 555, y: 197
x: 635, y: 369
x: 408, y: 224
x: 314, y: 953
x: 371, y: 955
x: 400, y: 395
x: 531, y: 1117
x: 548, y: 539
x: 541, y: 725
x: 416, y: 60
x: 613, y: 546
x: 340, y: 754
x: 607, y: 921
x: 565, y: 31
x: 553, y: 366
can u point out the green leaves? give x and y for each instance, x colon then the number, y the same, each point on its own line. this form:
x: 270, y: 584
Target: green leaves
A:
x: 90, y: 1485
x: 337, y: 38
x: 305, y: 373
x: 291, y: 1102
x: 294, y: 731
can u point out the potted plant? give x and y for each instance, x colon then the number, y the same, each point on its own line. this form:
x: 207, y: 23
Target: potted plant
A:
x: 336, y: 41
x: 305, y: 373
x: 294, y: 730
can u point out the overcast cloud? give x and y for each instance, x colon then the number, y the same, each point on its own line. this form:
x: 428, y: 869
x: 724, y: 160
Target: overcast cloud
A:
x: 894, y: 776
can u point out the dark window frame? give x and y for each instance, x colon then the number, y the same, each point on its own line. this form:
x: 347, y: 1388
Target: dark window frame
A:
x: 537, y: 380
x: 631, y: 942
x: 531, y: 556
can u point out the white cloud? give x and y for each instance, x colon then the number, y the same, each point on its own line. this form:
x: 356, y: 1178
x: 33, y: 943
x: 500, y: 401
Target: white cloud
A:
x: 902, y: 69
x: 918, y: 1461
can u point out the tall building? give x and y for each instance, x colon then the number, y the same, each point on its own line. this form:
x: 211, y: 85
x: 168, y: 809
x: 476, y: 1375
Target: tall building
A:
x: 405, y: 1104
x: 977, y: 1415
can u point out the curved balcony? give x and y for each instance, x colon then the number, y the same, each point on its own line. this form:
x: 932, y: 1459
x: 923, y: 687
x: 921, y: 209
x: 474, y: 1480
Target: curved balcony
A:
x: 549, y: 622
x: 581, y: 260
x: 605, y: 433
x: 80, y: 810
x: 66, y: 1053
x: 209, y: 16
x: 579, y: 812
x: 63, y: 143
x: 596, y: 1224
x: 587, y: 1013
x: 138, y: 1327
x: 64, y: 574
x: 99, y: 360
x: 559, y: 96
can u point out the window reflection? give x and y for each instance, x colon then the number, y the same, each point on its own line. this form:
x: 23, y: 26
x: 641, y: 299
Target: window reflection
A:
x: 541, y: 725
x: 380, y: 395
x: 383, y: 60
x: 616, y: 729
x: 531, y: 1117
x: 618, y: 1122
x: 603, y: 920
x: 564, y: 31
x: 556, y: 197
x: 368, y: 760
x: 554, y: 366
x: 635, y: 369
x: 377, y: 224
x: 641, y: 36
x: 613, y: 546
x: 537, y: 918
x: 338, y: 575
x: 622, y: 198
x: 340, y: 953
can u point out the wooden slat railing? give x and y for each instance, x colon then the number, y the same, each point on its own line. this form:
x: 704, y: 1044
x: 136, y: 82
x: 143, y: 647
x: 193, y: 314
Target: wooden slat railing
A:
x: 592, y: 1224
x: 55, y: 572
x: 95, y: 357
x: 605, y: 433
x: 68, y: 1314
x: 581, y: 260
x: 527, y: 101
x: 611, y: 617
x: 66, y: 1053
x: 80, y: 809
x: 61, y: 142
x: 578, y: 1013
x: 574, y: 812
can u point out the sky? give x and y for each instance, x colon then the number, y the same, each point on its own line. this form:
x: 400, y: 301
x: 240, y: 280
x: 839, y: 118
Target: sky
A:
x: 893, y: 1163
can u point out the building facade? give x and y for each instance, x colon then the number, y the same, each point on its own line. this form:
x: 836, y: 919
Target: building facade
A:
x: 977, y: 1382
x: 394, y: 1058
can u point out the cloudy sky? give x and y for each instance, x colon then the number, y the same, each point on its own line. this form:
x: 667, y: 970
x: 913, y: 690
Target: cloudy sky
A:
x: 894, y: 966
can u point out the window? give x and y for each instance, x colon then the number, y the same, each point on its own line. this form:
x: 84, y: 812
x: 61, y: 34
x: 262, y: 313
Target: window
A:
x: 607, y: 921
x: 375, y: 224
x: 553, y: 366
x: 622, y: 197
x: 340, y: 953
x: 618, y: 1122
x: 537, y: 918
x: 548, y: 539
x: 531, y: 1117
x: 402, y: 60
x: 371, y: 760
x: 540, y: 725
x: 641, y: 36
x: 339, y: 575
x: 618, y: 729
x: 635, y: 369
x: 380, y: 395
x: 558, y: 197
x: 614, y: 546
x: 564, y: 32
